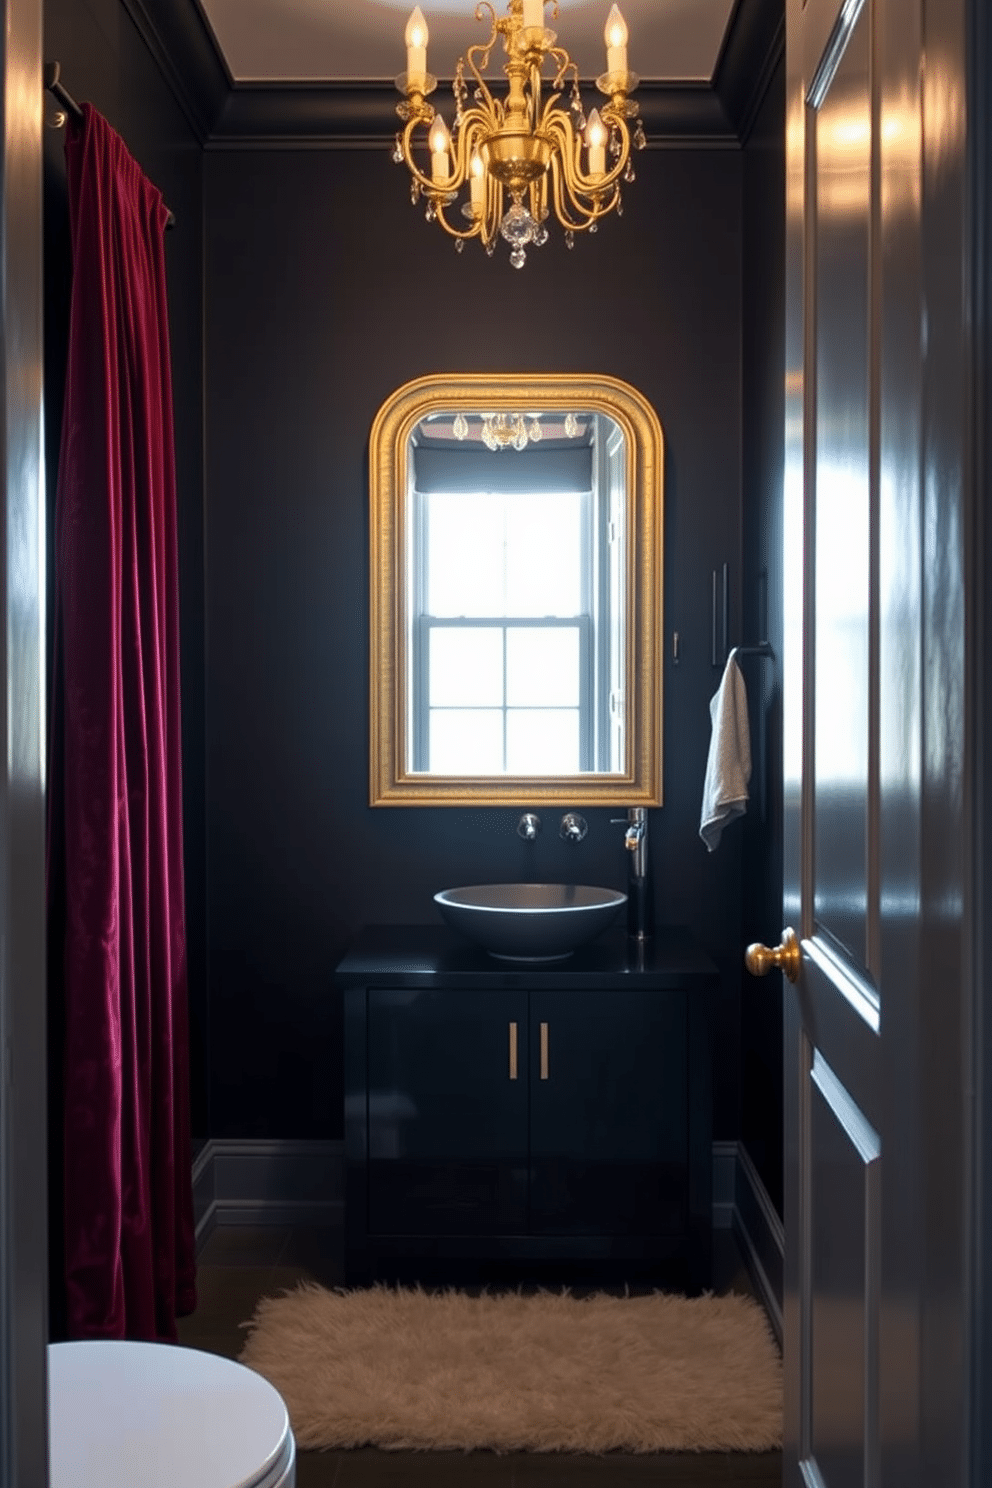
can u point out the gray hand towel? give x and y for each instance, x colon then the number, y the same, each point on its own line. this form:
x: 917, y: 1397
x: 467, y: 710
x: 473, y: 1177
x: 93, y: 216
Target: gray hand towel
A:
x: 728, y: 766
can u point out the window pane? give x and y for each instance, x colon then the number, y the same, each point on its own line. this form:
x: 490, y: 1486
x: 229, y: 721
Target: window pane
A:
x: 486, y: 553
x: 542, y: 742
x: 465, y: 555
x: 466, y: 667
x: 544, y: 554
x: 466, y: 742
x: 542, y: 668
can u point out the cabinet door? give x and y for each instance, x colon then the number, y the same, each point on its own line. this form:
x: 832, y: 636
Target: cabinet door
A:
x: 447, y: 1117
x: 609, y: 1113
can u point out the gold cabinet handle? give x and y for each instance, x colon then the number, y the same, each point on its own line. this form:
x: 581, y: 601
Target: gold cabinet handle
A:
x: 513, y: 1051
x: 760, y: 959
x: 544, y: 1051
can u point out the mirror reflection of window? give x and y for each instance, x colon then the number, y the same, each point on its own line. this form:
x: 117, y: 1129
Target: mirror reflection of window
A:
x: 516, y: 576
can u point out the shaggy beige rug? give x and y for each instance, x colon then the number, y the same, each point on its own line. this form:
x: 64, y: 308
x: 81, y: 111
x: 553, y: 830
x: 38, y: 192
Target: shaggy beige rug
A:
x: 542, y: 1373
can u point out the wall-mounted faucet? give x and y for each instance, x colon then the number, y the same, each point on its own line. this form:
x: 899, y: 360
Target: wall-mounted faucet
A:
x: 573, y: 827
x: 635, y: 840
x: 528, y: 826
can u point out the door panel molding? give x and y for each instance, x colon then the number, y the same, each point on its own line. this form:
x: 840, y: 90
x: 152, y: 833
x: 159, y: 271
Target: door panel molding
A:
x: 841, y: 1300
x: 830, y: 52
x: 811, y: 1474
x: 839, y: 219
x: 858, y: 990
x: 864, y: 1138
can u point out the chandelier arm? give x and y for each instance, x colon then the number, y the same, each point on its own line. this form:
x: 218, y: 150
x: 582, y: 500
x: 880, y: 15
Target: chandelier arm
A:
x: 605, y: 206
x: 567, y: 197
x: 480, y: 15
x: 493, y: 214
x: 482, y: 49
x: 474, y: 124
x: 472, y: 132
x: 592, y: 209
x: 539, y: 198
x: 569, y: 142
x: 416, y: 111
x: 534, y: 101
x: 475, y: 231
x: 559, y: 126
x: 617, y: 119
x: 565, y: 62
x: 548, y: 110
x: 494, y: 105
x: 561, y: 206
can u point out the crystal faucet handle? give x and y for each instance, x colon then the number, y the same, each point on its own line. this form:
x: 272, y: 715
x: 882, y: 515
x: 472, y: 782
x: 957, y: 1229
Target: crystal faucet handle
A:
x: 573, y: 826
x: 528, y: 826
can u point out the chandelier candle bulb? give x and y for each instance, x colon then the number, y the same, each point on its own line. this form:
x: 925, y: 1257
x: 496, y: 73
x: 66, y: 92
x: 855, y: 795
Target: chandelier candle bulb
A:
x: 477, y: 183
x: 596, y: 140
x: 616, y: 36
x: 440, y: 142
x: 533, y: 15
x: 416, y: 38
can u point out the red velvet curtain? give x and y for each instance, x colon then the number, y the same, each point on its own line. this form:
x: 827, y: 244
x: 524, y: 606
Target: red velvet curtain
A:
x: 115, y: 826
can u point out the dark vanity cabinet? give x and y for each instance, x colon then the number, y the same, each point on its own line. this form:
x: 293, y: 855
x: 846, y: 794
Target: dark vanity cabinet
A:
x: 512, y: 1112
x: 447, y: 1125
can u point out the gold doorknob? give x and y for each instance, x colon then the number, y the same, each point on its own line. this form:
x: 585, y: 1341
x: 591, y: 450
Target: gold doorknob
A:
x: 760, y: 960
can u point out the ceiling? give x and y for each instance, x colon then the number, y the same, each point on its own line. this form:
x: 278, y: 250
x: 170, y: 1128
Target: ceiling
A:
x: 344, y: 40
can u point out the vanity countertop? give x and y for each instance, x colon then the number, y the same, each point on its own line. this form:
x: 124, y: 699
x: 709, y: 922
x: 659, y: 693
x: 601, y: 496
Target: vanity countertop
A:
x: 410, y: 955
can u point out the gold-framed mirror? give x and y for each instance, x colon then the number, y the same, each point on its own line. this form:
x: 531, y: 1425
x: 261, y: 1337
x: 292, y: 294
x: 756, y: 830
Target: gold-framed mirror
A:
x: 516, y: 564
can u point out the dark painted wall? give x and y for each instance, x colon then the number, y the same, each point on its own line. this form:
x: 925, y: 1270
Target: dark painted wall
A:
x: 105, y: 61
x: 324, y: 291
x: 763, y: 336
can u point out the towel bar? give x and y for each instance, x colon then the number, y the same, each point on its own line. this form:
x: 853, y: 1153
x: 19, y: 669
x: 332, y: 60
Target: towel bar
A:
x: 720, y: 647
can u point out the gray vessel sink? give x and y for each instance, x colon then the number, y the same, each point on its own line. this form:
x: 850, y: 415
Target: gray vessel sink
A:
x: 529, y: 922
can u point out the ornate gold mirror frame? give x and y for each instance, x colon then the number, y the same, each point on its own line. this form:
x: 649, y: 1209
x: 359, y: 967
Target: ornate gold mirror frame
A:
x: 639, y: 781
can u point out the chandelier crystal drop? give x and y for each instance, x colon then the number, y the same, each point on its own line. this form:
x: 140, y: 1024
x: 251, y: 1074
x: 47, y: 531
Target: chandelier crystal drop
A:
x: 515, y: 159
x: 500, y: 431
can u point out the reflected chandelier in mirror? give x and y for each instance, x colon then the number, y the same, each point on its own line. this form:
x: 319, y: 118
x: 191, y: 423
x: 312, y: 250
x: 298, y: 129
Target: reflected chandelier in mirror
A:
x: 516, y: 579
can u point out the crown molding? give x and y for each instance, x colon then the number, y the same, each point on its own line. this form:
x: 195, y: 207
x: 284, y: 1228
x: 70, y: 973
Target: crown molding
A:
x: 226, y: 115
x: 187, y: 55
x: 353, y: 114
x: 363, y: 114
x: 753, y: 46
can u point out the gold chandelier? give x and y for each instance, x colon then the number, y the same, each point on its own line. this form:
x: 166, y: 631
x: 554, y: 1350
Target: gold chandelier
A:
x: 537, y: 152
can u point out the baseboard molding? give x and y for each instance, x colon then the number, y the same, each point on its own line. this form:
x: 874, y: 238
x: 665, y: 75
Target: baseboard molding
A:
x: 741, y: 1204
x: 274, y: 1182
x: 760, y: 1234
x: 724, y: 1184
x: 281, y: 1182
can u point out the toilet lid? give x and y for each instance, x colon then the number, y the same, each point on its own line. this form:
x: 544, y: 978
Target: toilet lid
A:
x: 154, y: 1415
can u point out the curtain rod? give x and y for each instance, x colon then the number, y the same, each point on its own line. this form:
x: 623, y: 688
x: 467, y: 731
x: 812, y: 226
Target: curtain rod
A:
x: 52, y: 75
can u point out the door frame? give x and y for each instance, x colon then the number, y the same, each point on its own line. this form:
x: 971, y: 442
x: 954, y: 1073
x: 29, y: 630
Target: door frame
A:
x: 23, y: 1055
x: 979, y: 1239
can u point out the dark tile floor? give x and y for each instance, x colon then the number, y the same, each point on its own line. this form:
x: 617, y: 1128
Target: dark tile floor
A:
x: 238, y: 1265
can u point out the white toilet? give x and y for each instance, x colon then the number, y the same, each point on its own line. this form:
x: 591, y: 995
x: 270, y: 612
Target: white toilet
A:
x: 154, y: 1415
